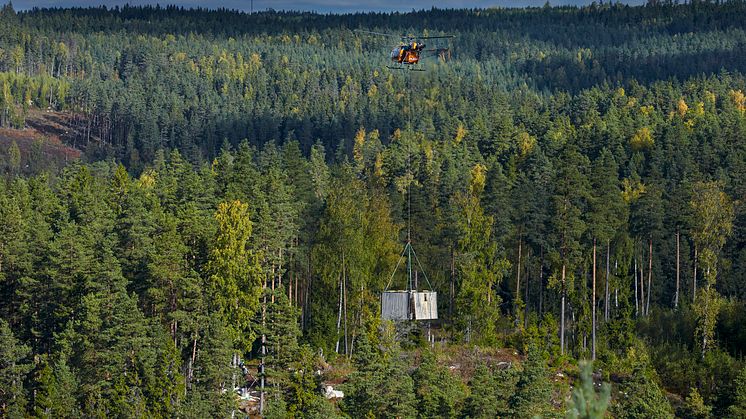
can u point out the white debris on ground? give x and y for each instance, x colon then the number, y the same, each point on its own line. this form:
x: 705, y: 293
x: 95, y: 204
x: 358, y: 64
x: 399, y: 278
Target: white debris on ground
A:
x: 331, y: 393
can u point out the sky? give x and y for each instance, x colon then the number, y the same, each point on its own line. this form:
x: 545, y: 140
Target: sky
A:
x: 322, y: 6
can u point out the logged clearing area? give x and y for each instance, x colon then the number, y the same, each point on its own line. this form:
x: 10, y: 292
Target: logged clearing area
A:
x: 44, y: 141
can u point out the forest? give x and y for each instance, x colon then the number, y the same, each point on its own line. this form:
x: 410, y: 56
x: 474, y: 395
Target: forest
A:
x: 242, y: 186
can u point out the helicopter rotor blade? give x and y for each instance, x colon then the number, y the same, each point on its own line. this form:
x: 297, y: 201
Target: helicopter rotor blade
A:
x: 378, y: 33
x: 432, y: 37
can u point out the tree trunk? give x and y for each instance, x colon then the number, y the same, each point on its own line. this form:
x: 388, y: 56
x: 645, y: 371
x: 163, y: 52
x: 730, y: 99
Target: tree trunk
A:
x: 607, y: 296
x: 264, y: 350
x: 273, y: 283
x: 694, y: 292
x: 593, y: 310
x: 650, y: 275
x: 279, y: 270
x: 344, y: 299
x: 307, y: 293
x: 637, y: 292
x: 642, y: 283
x: 525, y: 302
x: 339, y: 311
x: 518, y: 282
x: 541, y: 284
x: 676, y: 295
x: 190, y: 368
x: 562, y: 314
x: 706, y: 313
x: 453, y: 282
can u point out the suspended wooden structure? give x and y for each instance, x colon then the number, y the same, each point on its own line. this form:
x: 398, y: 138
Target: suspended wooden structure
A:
x: 409, y: 304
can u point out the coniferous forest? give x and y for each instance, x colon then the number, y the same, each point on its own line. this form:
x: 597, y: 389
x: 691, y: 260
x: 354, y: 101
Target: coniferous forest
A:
x: 198, y: 204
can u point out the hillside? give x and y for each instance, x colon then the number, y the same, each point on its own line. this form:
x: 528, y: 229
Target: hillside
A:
x: 206, y: 209
x: 45, y: 143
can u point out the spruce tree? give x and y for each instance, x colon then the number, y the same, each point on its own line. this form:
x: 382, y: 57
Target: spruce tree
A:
x: 533, y: 389
x: 483, y: 400
x: 586, y: 403
x: 439, y: 393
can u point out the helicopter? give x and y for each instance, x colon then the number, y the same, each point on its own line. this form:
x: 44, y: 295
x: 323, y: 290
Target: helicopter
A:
x: 407, y: 55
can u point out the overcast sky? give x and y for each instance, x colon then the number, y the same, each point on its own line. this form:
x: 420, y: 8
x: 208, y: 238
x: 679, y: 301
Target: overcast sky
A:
x: 323, y: 6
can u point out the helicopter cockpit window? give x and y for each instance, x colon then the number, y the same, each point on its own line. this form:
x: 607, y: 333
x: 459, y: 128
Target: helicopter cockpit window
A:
x: 395, y: 53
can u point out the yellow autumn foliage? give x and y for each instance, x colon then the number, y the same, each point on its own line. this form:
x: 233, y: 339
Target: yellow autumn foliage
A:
x: 526, y: 143
x: 738, y: 99
x: 460, y: 133
x: 378, y: 167
x: 478, y: 179
x: 357, y: 148
x: 681, y: 107
x: 372, y: 91
x: 643, y: 139
x: 632, y: 190
x: 147, y: 179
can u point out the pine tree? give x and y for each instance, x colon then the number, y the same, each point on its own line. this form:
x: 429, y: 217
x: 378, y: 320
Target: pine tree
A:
x: 608, y: 212
x: 569, y: 202
x: 13, y: 371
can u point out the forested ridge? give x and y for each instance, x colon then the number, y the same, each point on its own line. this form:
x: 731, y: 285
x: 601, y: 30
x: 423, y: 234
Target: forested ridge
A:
x: 576, y: 179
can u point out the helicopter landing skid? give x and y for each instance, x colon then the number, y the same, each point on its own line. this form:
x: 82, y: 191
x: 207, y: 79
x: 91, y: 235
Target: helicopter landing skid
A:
x: 405, y: 68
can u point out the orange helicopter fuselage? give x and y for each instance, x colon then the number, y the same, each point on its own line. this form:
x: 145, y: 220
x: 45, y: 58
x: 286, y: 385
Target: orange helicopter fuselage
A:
x: 407, y: 54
